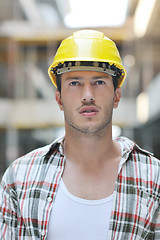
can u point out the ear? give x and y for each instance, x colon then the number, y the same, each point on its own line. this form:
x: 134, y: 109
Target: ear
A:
x: 59, y: 99
x: 117, y: 97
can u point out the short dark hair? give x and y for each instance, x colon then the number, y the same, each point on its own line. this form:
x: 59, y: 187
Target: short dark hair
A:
x: 115, y: 82
x: 58, y: 82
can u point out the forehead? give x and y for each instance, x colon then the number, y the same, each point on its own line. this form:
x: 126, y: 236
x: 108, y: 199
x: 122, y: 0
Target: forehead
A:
x: 85, y: 74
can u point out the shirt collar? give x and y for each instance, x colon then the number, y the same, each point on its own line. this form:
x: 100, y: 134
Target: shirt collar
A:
x: 127, y: 144
x: 128, y: 147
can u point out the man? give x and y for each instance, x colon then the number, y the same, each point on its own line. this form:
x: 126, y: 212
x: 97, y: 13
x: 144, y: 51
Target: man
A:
x: 85, y: 185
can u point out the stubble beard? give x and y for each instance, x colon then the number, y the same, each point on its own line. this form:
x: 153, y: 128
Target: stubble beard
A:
x: 89, y: 130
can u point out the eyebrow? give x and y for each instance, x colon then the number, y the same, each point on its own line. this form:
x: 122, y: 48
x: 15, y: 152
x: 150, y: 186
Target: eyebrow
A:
x: 104, y: 76
x: 73, y: 78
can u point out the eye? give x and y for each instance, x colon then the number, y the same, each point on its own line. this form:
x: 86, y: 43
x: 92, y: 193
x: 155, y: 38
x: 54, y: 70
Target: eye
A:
x: 74, y: 83
x: 99, y: 82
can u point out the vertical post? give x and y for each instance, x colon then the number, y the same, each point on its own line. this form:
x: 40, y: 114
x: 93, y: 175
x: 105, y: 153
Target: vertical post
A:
x: 12, y: 145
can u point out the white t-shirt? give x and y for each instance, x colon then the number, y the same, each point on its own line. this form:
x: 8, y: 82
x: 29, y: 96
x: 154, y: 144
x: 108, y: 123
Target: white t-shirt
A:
x: 73, y: 218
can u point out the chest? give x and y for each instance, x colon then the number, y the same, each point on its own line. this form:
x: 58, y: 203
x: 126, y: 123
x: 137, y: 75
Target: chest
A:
x: 91, y: 183
x: 79, y: 218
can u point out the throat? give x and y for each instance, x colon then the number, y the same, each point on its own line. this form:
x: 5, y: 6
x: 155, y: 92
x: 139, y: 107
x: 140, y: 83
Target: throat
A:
x: 83, y: 180
x: 89, y: 148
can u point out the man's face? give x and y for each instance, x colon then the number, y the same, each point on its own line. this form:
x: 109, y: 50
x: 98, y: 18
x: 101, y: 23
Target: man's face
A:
x: 87, y: 99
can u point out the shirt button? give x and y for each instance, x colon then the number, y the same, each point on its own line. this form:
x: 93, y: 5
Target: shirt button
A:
x: 58, y: 170
x: 43, y: 233
x: 49, y: 199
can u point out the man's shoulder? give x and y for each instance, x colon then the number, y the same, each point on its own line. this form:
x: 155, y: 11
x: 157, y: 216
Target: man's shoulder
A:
x: 34, y: 160
x: 141, y: 167
x: 39, y: 153
x: 133, y: 147
x: 139, y: 156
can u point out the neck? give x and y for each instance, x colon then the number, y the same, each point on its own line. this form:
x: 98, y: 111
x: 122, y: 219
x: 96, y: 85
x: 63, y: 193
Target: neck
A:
x: 80, y: 147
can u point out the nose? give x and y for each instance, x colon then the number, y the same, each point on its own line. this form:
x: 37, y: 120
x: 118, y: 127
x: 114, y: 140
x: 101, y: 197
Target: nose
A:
x: 87, y: 93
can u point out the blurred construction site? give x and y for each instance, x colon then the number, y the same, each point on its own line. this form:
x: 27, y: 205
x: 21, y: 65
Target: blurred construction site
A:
x: 31, y: 31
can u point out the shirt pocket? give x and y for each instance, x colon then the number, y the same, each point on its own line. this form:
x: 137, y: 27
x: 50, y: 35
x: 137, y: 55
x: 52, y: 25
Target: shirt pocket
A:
x: 149, y: 208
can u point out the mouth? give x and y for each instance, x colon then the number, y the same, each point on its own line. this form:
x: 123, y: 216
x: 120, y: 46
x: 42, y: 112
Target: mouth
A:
x: 88, y: 111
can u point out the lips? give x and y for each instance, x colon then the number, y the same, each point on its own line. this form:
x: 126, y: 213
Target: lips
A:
x: 88, y: 111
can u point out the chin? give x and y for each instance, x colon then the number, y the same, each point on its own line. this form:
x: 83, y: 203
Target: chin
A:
x: 93, y: 129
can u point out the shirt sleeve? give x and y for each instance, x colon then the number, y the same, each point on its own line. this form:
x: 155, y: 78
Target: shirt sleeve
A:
x: 8, y: 208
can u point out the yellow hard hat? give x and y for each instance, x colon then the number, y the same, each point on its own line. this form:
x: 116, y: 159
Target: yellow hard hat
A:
x: 87, y: 46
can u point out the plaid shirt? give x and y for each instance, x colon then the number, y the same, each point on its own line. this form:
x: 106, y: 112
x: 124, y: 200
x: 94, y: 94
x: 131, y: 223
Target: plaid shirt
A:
x: 29, y: 186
